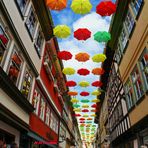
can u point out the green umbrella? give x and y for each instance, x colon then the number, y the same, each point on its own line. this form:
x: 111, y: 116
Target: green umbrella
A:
x: 102, y: 36
x: 85, y: 101
x: 76, y: 105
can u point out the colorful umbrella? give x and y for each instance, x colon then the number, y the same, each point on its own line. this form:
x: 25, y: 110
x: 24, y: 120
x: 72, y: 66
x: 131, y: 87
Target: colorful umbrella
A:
x: 72, y: 93
x: 93, y: 115
x: 84, y: 93
x: 85, y: 110
x: 82, y: 34
x: 84, y: 84
x: 76, y: 105
x: 85, y: 115
x: 56, y: 4
x: 89, y: 118
x: 82, y: 119
x: 83, y: 72
x: 81, y: 6
x: 71, y: 83
x: 82, y: 122
x: 62, y: 31
x: 74, y: 100
x: 85, y: 106
x: 94, y: 106
x: 82, y: 125
x: 97, y: 84
x: 102, y: 36
x: 85, y: 101
x: 77, y: 109
x: 64, y: 55
x: 96, y: 93
x: 99, y: 58
x: 106, y: 8
x: 68, y: 71
x: 95, y: 100
x: 82, y: 57
x: 93, y: 110
x: 77, y: 115
x: 98, y: 71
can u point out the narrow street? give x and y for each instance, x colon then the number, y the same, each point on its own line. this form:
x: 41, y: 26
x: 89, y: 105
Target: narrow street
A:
x: 73, y: 73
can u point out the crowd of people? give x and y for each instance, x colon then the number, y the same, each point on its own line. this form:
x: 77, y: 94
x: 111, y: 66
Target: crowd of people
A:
x: 4, y: 145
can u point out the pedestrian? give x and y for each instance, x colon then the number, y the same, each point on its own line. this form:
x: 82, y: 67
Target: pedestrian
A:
x: 14, y: 145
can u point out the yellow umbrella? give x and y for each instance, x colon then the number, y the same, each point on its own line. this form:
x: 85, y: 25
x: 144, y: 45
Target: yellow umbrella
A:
x: 85, y: 106
x: 84, y: 84
x: 99, y: 58
x: 95, y: 100
x: 96, y: 93
x: 93, y: 115
x: 85, y: 115
x: 74, y: 100
x: 62, y: 31
x: 68, y: 71
x: 77, y: 109
x: 81, y: 6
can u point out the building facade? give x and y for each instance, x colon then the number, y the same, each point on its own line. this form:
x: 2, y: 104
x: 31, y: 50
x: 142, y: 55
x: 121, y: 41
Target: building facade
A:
x: 126, y: 90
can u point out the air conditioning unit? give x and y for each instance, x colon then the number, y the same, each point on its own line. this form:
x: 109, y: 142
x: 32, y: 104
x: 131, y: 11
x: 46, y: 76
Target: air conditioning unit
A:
x: 48, y: 70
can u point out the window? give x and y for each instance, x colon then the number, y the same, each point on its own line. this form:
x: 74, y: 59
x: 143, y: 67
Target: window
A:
x: 54, y: 123
x: 47, y: 116
x: 144, y: 67
x: 31, y: 22
x: 36, y: 100
x: 129, y: 22
x: 4, y: 42
x: 39, y: 42
x: 119, y: 53
x: 123, y: 40
x: 137, y: 83
x: 48, y: 59
x: 22, y: 5
x: 129, y: 94
x: 26, y: 85
x: 15, y: 67
x: 42, y: 109
x: 136, y: 5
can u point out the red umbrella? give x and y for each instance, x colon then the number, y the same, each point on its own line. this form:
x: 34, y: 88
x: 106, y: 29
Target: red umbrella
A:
x: 83, y: 71
x: 82, y: 34
x: 77, y: 115
x: 98, y: 71
x: 82, y: 122
x: 84, y: 93
x: 82, y: 119
x: 71, y: 83
x: 64, y: 55
x: 94, y: 106
x: 85, y: 110
x: 106, y: 8
x: 97, y: 84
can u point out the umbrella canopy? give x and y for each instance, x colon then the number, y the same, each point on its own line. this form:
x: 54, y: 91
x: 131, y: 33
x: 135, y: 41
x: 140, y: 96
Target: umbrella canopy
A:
x: 72, y: 93
x: 71, y: 83
x: 96, y: 93
x: 97, y: 84
x: 85, y: 110
x: 81, y: 6
x: 89, y: 118
x: 99, y: 58
x: 98, y: 71
x: 82, y: 57
x: 77, y: 115
x: 56, y: 4
x: 82, y: 122
x: 85, y: 115
x: 83, y: 72
x: 85, y: 101
x: 94, y: 106
x: 93, y: 115
x: 68, y: 71
x: 82, y: 119
x: 85, y: 106
x: 106, y: 8
x: 64, y: 55
x: 76, y: 105
x: 102, y: 36
x: 74, y: 100
x: 95, y: 100
x: 84, y: 84
x: 77, y: 109
x: 84, y: 93
x: 61, y: 31
x: 82, y: 34
x: 93, y: 110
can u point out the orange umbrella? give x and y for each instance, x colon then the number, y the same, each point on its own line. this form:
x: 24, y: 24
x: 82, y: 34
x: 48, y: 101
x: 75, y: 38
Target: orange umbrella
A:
x: 56, y: 4
x: 82, y: 57
x: 72, y: 93
x: 98, y: 71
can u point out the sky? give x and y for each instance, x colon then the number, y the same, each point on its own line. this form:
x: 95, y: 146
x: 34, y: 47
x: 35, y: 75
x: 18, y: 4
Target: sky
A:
x: 92, y: 21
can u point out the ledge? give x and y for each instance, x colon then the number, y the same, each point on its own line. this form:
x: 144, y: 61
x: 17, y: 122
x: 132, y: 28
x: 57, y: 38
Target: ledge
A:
x: 12, y: 91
